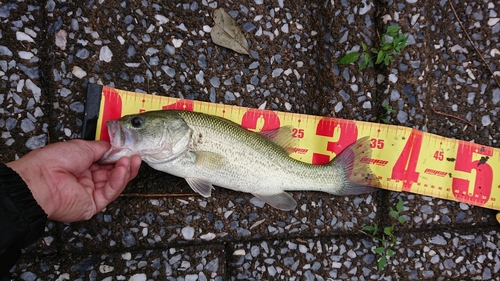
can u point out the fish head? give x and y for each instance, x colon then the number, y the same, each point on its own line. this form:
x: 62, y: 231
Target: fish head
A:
x: 154, y: 136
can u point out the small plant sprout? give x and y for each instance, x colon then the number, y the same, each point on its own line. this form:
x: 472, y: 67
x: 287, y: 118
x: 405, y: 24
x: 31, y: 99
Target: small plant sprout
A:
x: 386, y: 235
x: 391, y: 43
x: 389, y: 110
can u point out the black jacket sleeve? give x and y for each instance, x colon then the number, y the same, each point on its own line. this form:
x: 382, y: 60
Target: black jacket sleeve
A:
x: 22, y: 220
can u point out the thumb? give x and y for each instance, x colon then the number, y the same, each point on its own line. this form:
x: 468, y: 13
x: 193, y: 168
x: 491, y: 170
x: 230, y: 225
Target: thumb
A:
x: 98, y: 148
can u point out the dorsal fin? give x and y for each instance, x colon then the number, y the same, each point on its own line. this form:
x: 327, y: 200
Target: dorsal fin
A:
x: 282, y: 136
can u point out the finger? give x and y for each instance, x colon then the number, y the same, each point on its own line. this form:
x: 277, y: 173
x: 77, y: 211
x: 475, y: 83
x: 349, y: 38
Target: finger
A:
x: 98, y: 148
x: 96, y: 167
x: 101, y: 176
x: 117, y: 181
x: 135, y: 164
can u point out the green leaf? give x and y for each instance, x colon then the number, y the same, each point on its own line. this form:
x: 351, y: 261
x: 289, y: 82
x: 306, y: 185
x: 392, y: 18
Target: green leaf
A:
x: 390, y: 253
x: 371, y: 228
x: 374, y: 50
x: 379, y: 250
x: 362, y: 65
x: 367, y: 61
x: 365, y: 48
x: 394, y: 214
x: 386, y: 121
x: 402, y: 219
x: 392, y: 30
x: 349, y: 58
x: 380, y: 57
x: 388, y: 230
x: 388, y: 60
x: 400, y: 205
x: 382, y: 262
x: 386, y: 48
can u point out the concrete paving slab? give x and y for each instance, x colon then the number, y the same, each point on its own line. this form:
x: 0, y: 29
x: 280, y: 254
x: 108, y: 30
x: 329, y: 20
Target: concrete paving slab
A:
x: 165, y: 49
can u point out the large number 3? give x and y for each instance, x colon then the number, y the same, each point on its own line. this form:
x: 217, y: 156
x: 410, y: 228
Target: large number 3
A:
x: 348, y: 133
x: 484, y: 174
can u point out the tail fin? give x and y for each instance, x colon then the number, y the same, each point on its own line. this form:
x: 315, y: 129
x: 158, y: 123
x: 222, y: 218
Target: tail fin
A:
x: 359, y: 177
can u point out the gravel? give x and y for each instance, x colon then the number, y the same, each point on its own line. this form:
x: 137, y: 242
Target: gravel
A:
x: 49, y: 52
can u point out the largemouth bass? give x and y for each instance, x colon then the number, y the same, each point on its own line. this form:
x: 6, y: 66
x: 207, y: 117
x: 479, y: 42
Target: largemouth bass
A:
x: 208, y: 150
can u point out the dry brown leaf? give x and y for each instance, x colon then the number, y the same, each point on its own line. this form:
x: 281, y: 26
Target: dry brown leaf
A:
x: 227, y: 34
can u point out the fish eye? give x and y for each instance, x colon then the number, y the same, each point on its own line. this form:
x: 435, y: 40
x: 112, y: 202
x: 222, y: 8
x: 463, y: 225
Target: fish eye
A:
x: 137, y: 121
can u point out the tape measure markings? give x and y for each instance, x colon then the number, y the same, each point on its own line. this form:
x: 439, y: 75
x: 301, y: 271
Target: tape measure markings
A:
x: 403, y: 158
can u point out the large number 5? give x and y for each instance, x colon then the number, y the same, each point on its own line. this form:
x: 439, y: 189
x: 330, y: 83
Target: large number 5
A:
x: 484, y: 174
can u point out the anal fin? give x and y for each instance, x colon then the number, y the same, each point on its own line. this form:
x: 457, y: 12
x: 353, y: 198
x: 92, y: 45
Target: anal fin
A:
x: 282, y: 201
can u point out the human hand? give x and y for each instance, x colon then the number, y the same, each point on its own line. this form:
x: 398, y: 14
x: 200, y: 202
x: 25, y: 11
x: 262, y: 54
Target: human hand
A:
x: 68, y: 184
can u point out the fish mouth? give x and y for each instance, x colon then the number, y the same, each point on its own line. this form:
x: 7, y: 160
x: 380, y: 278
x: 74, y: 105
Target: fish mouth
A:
x: 121, y: 140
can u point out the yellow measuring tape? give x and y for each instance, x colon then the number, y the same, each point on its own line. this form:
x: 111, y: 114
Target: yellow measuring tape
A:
x: 404, y: 159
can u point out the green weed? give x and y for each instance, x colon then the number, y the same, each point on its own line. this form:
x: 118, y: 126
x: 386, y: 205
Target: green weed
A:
x: 391, y: 43
x: 386, y: 235
x: 389, y: 110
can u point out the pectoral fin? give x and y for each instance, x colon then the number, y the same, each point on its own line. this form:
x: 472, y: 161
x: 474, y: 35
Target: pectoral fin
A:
x: 203, y: 187
x: 282, y: 201
x: 207, y: 159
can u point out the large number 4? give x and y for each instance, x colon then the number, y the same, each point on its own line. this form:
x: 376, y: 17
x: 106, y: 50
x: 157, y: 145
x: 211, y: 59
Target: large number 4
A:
x: 484, y: 174
x: 405, y: 168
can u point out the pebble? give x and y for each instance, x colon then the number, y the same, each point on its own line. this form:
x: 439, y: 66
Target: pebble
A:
x: 161, y: 19
x: 27, y: 125
x: 138, y: 277
x: 4, y: 51
x: 486, y: 120
x: 25, y: 55
x: 37, y: 92
x: 77, y: 106
x: 188, y: 232
x: 168, y: 70
x: 438, y: 240
x: 28, y: 276
x: 393, y: 78
x: 215, y: 81
x: 199, y: 77
x: 277, y: 72
x: 105, y: 54
x: 78, y: 72
x: 36, y: 142
x: 21, y: 36
x: 177, y: 42
x: 402, y: 116
x: 128, y: 238
x: 496, y: 96
x: 257, y: 202
x: 229, y: 96
x: 106, y: 268
x: 61, y: 39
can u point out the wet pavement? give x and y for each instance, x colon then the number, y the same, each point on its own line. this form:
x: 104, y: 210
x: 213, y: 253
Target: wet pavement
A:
x: 51, y: 50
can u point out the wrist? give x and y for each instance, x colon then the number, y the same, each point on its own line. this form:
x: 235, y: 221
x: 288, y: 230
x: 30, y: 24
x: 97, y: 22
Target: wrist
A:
x: 32, y: 177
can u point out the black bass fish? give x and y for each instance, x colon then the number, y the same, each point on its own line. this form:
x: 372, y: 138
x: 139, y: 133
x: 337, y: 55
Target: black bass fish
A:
x: 207, y: 150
